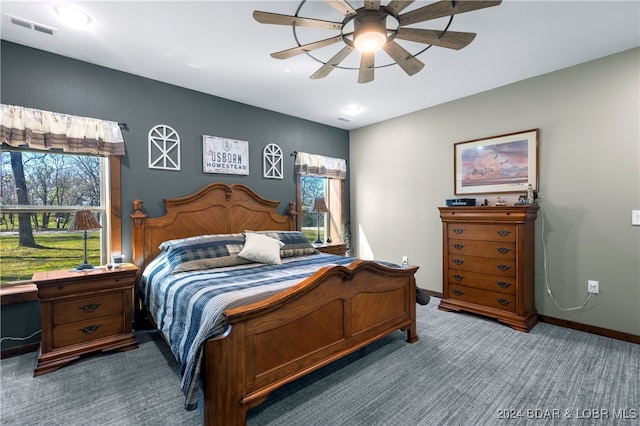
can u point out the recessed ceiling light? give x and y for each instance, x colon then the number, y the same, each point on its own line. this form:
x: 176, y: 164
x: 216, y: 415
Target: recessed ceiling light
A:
x: 72, y: 16
x: 352, y: 110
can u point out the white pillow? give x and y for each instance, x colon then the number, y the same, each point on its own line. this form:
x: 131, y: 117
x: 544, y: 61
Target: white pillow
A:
x: 262, y: 249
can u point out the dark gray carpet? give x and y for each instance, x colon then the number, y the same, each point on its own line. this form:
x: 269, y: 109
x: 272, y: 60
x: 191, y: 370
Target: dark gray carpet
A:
x: 464, y: 370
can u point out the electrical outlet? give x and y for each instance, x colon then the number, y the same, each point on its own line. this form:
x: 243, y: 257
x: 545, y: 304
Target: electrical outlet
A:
x: 593, y: 286
x: 405, y: 260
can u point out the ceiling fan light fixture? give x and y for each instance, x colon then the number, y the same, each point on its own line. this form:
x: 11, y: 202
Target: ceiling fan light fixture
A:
x: 370, y: 33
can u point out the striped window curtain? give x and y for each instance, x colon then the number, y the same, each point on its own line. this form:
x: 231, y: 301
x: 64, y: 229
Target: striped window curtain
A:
x: 22, y: 127
x: 318, y: 165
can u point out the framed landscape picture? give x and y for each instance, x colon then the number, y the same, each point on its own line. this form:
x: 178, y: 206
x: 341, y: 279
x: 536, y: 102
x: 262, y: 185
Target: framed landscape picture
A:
x: 497, y: 165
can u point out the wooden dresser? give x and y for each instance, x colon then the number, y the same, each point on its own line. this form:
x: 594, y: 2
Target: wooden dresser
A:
x: 83, y: 312
x: 488, y: 263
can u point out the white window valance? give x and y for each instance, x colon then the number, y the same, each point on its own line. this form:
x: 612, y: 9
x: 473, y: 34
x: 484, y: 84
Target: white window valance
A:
x: 318, y: 165
x: 22, y: 127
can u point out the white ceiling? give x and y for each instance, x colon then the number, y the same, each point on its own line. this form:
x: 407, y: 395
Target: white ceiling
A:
x: 216, y: 47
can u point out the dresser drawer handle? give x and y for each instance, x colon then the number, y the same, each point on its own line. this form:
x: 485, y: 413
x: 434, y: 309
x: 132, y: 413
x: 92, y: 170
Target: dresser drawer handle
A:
x: 458, y: 261
x: 458, y: 246
x: 503, y: 302
x: 458, y: 292
x: 503, y: 284
x: 458, y: 231
x: 503, y: 267
x: 503, y: 233
x: 90, y: 329
x: 89, y: 307
x: 458, y: 277
x: 503, y: 250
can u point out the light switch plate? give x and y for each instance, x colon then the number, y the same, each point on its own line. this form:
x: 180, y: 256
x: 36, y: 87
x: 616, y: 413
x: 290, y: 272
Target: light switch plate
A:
x: 635, y: 217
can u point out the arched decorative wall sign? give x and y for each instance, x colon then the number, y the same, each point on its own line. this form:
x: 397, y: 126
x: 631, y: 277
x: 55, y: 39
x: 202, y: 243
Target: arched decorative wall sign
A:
x: 164, y: 148
x: 272, y: 161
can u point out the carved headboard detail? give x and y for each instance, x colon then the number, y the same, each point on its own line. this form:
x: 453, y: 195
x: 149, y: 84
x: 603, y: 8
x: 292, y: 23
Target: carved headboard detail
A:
x: 217, y: 208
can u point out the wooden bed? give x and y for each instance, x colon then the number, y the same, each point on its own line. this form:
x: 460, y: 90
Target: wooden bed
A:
x: 286, y: 336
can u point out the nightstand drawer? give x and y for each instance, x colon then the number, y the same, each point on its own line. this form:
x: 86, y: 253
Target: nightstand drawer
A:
x: 84, y: 331
x: 91, y: 284
x: 87, y: 308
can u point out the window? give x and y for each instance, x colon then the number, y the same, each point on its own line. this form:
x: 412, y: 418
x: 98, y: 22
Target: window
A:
x: 40, y: 191
x: 321, y: 226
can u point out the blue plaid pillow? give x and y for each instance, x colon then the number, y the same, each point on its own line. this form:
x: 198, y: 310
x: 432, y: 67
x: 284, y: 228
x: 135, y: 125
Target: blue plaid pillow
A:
x: 204, y: 252
x: 295, y: 243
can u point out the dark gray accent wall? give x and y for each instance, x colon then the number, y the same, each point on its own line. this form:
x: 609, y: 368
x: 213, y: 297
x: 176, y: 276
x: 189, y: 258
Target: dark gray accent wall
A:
x: 37, y: 79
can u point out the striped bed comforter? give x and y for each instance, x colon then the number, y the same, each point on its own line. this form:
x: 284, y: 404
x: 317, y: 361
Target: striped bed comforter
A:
x: 188, y: 306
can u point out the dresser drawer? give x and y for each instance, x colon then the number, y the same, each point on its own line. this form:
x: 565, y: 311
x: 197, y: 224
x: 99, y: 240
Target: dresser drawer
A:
x: 87, y: 308
x: 505, y: 302
x: 489, y: 232
x: 506, y: 285
x: 483, y: 265
x: 86, y: 330
x: 498, y: 250
x: 61, y: 289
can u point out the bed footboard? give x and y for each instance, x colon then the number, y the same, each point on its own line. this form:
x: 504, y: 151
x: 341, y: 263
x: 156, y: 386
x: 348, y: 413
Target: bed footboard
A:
x: 278, y: 340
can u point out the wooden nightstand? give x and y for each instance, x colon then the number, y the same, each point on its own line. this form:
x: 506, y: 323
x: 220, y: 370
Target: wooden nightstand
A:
x: 83, y: 312
x: 339, y: 249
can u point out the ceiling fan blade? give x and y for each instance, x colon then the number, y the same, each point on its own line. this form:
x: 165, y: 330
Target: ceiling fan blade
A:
x: 396, y: 6
x: 443, y: 8
x: 294, y: 51
x: 450, y: 39
x: 407, y: 62
x: 365, y: 74
x: 332, y: 63
x: 278, y: 19
x: 342, y: 6
x: 372, y: 5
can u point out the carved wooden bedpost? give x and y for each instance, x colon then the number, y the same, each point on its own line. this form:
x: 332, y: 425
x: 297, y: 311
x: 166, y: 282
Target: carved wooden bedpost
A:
x: 137, y: 258
x: 292, y: 215
x: 137, y: 233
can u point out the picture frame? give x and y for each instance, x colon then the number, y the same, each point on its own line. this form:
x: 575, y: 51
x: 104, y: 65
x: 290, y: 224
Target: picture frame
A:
x: 500, y: 164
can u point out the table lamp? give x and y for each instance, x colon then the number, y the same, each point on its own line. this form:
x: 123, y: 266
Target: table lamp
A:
x: 84, y: 220
x: 319, y: 206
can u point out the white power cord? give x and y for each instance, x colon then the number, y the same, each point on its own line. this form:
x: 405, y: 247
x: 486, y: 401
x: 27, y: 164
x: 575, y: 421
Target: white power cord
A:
x: 20, y: 338
x: 546, y: 273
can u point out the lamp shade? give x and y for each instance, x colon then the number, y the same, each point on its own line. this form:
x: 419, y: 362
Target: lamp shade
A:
x: 84, y: 220
x: 319, y: 206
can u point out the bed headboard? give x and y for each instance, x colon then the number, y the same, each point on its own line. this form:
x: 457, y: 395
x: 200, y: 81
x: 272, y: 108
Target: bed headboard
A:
x: 217, y: 208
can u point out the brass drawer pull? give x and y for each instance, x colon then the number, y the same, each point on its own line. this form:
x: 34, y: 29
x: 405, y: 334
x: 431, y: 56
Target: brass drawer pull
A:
x: 90, y: 329
x: 503, y: 250
x: 458, y: 246
x: 503, y: 284
x: 503, y: 233
x: 458, y: 277
x: 503, y: 302
x: 458, y: 231
x: 458, y: 292
x: 89, y: 307
x: 458, y: 261
x: 503, y: 267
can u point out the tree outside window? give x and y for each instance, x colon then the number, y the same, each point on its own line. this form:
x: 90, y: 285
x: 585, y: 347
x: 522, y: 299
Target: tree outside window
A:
x: 39, y: 193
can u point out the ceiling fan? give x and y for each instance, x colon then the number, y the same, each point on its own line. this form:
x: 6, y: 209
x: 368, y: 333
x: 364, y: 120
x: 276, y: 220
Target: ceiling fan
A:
x: 374, y: 26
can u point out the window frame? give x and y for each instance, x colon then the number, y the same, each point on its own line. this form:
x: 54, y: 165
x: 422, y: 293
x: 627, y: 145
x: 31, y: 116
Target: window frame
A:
x: 111, y: 241
x: 333, y: 188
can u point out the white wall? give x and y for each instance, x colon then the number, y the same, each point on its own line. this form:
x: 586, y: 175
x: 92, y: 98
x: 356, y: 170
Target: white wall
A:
x: 589, y: 119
